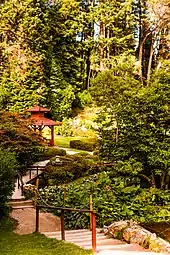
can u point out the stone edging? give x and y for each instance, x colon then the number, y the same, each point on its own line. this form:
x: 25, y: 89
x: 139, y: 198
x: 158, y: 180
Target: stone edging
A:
x: 131, y: 232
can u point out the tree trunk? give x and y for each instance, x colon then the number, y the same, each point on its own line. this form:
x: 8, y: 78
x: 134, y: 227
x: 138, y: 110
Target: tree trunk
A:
x: 150, y: 62
x: 102, y: 35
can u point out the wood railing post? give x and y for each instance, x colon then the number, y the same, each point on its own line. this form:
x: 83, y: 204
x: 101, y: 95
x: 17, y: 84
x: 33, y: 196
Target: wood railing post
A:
x: 18, y: 181
x: 91, y: 209
x: 62, y: 225
x: 93, y: 216
x: 30, y: 174
x: 37, y: 219
x: 37, y: 170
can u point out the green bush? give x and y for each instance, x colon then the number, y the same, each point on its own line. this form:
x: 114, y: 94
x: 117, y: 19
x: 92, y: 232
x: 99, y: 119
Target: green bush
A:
x: 114, y: 199
x: 73, y: 167
x: 80, y: 145
x: 50, y: 152
x: 66, y: 129
x: 7, y: 224
x: 16, y: 136
x: 8, y: 165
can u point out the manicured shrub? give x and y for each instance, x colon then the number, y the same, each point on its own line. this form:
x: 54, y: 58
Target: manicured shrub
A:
x: 80, y: 145
x: 50, y: 152
x: 8, y: 165
x: 73, y: 167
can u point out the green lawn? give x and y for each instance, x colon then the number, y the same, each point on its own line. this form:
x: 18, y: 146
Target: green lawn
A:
x: 36, y: 244
x: 64, y: 142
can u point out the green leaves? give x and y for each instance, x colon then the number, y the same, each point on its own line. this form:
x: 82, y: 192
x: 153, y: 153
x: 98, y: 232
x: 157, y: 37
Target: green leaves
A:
x: 8, y: 166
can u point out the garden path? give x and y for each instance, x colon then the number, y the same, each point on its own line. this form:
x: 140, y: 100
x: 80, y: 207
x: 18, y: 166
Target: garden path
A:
x: 17, y: 192
x: 105, y: 245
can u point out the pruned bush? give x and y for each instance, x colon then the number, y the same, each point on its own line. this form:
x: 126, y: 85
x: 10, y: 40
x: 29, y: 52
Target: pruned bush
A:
x: 72, y: 168
x: 81, y: 145
x: 8, y: 165
x: 50, y: 152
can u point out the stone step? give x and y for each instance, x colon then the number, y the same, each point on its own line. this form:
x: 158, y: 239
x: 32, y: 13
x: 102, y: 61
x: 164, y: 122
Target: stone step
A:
x: 113, y: 247
x: 124, y: 252
x: 22, y: 198
x: 70, y: 232
x: 22, y: 207
x: 83, y: 238
x: 21, y: 204
x: 18, y: 202
x: 79, y: 238
x: 99, y: 242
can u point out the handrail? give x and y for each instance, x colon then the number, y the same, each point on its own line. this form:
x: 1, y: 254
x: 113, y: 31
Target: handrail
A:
x: 93, y: 221
x: 22, y: 183
x: 65, y: 208
x: 34, y: 168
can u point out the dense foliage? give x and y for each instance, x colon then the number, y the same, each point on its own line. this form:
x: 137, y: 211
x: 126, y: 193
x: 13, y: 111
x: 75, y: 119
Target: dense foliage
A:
x: 8, y: 165
x: 16, y: 136
x: 49, y: 51
x: 135, y: 126
x: 72, y: 168
x: 114, y: 198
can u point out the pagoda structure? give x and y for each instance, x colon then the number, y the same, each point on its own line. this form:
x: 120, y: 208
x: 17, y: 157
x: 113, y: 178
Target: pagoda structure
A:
x: 39, y: 121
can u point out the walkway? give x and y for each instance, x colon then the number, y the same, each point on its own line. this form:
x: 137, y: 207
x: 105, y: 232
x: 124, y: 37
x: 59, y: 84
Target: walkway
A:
x: 17, y: 192
x: 105, y: 246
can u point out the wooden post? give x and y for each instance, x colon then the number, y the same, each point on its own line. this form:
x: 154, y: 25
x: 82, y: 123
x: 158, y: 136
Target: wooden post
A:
x: 36, y: 194
x: 93, y: 232
x: 91, y: 209
x: 37, y: 170
x: 30, y: 174
x: 64, y: 194
x: 52, y: 135
x: 62, y: 225
x: 18, y: 181
x: 37, y: 219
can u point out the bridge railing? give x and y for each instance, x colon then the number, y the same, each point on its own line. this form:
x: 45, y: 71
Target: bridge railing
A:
x: 62, y: 209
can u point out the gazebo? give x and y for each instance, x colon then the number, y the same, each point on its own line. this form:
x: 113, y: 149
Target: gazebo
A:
x: 39, y: 121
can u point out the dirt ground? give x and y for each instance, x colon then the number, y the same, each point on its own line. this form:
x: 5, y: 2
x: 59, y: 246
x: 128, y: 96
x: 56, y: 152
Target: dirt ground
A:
x: 26, y: 221
x: 162, y: 229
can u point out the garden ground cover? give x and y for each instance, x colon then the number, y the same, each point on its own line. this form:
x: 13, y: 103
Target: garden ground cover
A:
x: 63, y: 141
x: 12, y: 244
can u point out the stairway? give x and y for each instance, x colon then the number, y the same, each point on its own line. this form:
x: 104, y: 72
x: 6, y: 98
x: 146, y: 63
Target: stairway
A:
x: 21, y: 204
x: 105, y: 245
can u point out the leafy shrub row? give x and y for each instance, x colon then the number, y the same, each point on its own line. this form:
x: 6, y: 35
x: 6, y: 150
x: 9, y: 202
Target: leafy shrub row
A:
x: 114, y: 199
x: 80, y: 145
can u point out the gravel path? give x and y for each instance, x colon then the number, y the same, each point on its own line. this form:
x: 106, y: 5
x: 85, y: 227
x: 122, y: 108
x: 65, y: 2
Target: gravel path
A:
x: 26, y: 221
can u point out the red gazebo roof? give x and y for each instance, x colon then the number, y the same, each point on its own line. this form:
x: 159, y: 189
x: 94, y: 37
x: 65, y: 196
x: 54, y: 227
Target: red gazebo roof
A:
x: 38, y: 108
x: 38, y: 119
x: 43, y: 121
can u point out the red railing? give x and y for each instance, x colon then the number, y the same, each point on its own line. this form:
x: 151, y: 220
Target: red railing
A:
x: 93, y: 221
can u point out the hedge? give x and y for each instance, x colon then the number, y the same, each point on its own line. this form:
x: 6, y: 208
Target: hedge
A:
x: 50, y: 152
x: 80, y: 145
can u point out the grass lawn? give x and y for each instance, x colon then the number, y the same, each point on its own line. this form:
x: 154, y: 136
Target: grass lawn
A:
x: 64, y: 142
x: 36, y: 244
